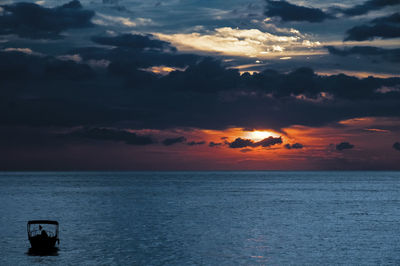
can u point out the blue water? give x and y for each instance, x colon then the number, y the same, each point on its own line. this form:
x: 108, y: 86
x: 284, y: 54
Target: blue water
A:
x: 205, y: 218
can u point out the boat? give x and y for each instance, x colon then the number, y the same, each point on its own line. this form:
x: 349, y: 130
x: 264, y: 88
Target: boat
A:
x: 43, y: 234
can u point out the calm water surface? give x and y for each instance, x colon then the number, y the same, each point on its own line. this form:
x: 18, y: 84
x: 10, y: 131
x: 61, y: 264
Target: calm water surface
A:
x: 205, y: 218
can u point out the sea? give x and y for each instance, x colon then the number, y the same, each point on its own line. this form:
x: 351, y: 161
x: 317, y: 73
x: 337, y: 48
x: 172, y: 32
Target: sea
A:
x: 204, y: 218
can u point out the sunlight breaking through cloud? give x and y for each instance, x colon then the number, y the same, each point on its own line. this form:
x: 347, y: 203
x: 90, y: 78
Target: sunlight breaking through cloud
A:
x: 242, y: 42
x: 162, y: 70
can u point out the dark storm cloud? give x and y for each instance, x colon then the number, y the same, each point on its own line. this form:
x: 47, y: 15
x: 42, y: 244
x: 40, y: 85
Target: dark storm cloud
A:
x: 384, y: 27
x: 46, y: 91
x: 396, y: 146
x: 210, y: 76
x: 36, y: 22
x: 243, y: 143
x: 172, y: 141
x: 290, y: 12
x: 392, y: 55
x: 194, y: 143
x: 294, y: 146
x: 112, y: 135
x: 371, y: 5
x: 134, y: 41
x: 344, y: 146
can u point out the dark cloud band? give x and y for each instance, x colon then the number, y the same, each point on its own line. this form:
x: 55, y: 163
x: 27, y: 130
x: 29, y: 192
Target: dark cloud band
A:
x: 205, y: 95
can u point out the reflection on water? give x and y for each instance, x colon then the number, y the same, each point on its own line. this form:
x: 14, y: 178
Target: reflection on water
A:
x: 206, y: 218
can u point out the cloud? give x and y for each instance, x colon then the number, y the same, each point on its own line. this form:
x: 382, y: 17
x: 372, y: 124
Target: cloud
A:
x: 172, y: 141
x: 243, y: 143
x: 33, y: 21
x: 21, y: 50
x: 28, y: 66
x: 392, y: 55
x: 269, y: 142
x: 205, y: 94
x: 344, y: 146
x: 107, y: 20
x: 208, y: 75
x: 240, y: 42
x: 134, y: 41
x: 290, y: 12
x: 246, y: 150
x: 367, y: 6
x: 214, y: 144
x: 294, y: 146
x: 366, y: 32
x: 60, y: 69
x: 133, y: 54
x: 396, y: 146
x: 394, y: 18
x: 384, y: 27
x: 194, y: 143
x: 162, y: 70
x: 112, y: 135
x: 75, y: 57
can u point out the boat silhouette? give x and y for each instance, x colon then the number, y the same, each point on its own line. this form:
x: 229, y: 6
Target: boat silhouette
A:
x: 43, y: 234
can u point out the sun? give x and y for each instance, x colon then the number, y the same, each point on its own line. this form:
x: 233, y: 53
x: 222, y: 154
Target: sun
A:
x: 258, y: 135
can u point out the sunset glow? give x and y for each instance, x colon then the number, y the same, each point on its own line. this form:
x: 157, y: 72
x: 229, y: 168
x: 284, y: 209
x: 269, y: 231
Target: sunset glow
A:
x: 258, y: 135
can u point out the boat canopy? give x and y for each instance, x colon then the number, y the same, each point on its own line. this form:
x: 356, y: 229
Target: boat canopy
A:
x: 42, y: 222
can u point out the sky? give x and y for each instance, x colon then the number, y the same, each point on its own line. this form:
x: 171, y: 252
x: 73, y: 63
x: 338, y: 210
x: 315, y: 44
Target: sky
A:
x: 199, y: 85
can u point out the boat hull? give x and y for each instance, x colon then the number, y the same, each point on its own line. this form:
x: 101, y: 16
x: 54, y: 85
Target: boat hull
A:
x: 42, y: 243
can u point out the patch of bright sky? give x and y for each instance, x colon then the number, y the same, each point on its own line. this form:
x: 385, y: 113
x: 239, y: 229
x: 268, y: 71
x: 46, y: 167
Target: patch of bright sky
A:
x: 162, y: 70
x: 241, y: 42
